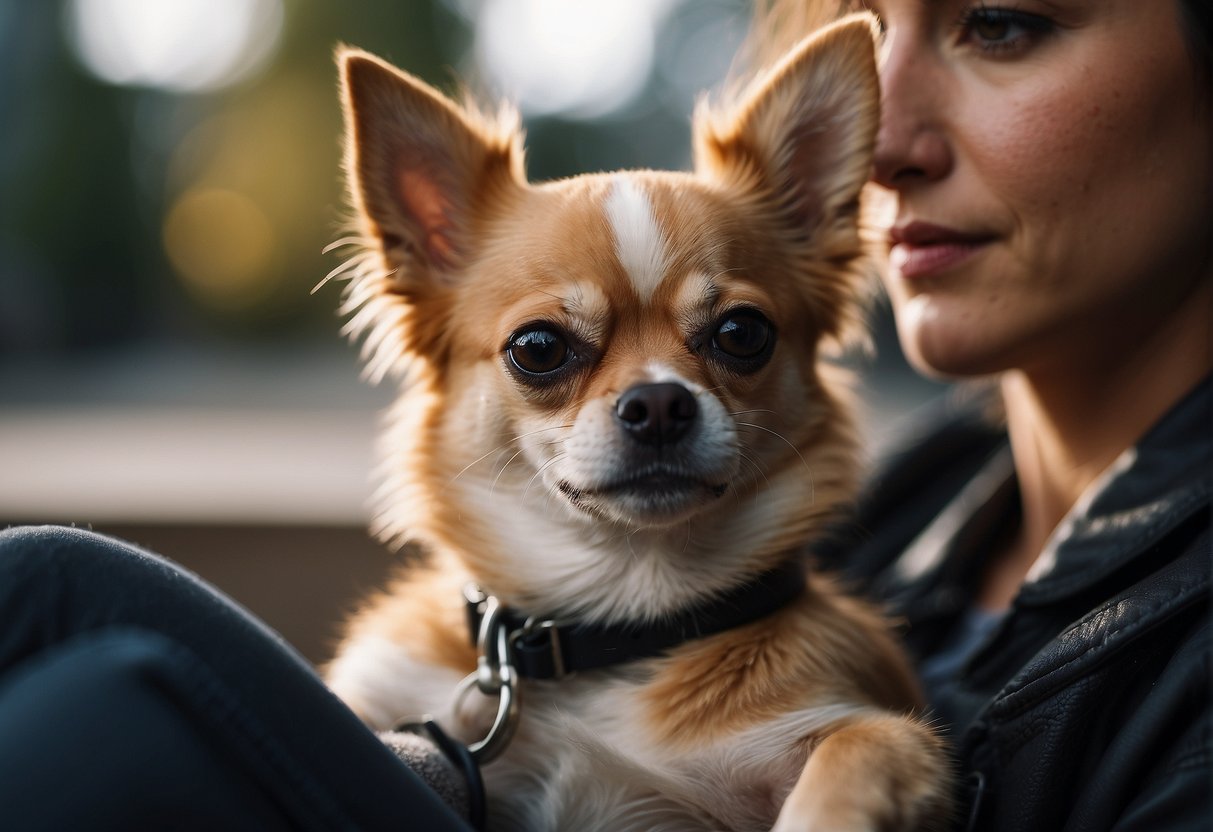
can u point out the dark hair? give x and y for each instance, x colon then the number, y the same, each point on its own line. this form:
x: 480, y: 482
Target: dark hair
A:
x: 1196, y: 16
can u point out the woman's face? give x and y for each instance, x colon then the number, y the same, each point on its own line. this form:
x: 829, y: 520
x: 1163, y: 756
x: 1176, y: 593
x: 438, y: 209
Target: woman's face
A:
x: 1051, y: 163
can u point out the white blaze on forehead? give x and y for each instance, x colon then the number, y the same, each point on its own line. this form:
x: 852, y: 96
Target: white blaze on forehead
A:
x: 639, y: 244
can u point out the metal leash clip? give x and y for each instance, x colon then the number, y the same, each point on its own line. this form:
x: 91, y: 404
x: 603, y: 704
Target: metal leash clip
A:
x: 495, y: 675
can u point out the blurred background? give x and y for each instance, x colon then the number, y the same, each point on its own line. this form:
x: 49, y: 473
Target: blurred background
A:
x: 168, y: 184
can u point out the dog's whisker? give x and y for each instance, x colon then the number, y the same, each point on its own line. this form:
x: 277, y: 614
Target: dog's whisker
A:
x: 541, y: 469
x: 753, y: 464
x: 500, y: 448
x: 748, y: 454
x: 493, y: 487
x: 539, y: 430
x: 497, y: 450
x: 756, y: 467
x: 480, y: 459
x: 778, y: 436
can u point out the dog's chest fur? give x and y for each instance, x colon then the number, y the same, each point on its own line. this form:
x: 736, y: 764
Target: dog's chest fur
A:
x: 712, y: 736
x: 585, y: 758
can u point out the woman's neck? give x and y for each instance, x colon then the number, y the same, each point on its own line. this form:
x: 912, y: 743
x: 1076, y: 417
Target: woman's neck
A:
x: 1069, y: 424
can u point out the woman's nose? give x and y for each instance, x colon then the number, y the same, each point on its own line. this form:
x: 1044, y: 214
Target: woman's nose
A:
x: 912, y: 146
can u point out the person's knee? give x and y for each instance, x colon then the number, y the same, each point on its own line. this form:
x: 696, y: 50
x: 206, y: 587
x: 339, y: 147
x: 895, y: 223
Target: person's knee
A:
x: 66, y: 552
x: 122, y: 729
x: 57, y: 580
x: 47, y: 542
x: 18, y: 539
x: 31, y: 556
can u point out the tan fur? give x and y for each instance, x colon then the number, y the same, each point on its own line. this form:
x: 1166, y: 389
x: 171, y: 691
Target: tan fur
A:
x: 460, y: 253
x: 423, y: 609
x: 825, y: 647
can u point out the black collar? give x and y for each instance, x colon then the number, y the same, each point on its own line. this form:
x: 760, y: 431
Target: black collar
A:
x: 548, y: 649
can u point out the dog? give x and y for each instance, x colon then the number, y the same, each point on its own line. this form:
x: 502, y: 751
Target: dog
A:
x: 617, y: 425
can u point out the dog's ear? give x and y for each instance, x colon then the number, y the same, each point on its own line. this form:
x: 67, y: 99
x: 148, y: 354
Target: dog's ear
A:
x: 804, y: 131
x: 422, y: 171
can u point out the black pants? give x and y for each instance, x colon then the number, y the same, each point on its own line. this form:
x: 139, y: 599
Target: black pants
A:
x: 134, y: 696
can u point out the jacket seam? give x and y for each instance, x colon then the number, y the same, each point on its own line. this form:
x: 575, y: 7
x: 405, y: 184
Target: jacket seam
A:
x: 1192, y: 760
x: 1030, y: 694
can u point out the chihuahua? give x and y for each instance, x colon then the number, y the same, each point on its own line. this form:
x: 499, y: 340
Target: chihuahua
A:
x: 616, y: 425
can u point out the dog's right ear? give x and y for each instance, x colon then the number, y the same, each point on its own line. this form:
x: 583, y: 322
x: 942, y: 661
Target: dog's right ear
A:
x: 422, y: 171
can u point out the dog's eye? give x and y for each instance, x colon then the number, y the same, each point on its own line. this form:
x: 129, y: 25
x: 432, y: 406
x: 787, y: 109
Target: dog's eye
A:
x: 744, y: 334
x: 538, y: 351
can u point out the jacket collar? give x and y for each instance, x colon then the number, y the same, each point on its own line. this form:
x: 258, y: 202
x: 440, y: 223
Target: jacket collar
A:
x: 1149, y: 491
x: 1152, y: 489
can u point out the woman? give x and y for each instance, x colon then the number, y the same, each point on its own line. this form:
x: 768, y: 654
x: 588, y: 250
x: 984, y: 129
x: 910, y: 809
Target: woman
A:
x: 1051, y: 168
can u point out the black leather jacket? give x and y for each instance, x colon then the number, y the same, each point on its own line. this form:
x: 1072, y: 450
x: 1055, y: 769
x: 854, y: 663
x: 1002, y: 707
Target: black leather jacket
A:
x: 1088, y: 707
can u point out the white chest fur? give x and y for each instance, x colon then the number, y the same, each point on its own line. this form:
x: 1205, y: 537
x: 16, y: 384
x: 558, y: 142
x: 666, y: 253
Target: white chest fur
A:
x: 584, y: 758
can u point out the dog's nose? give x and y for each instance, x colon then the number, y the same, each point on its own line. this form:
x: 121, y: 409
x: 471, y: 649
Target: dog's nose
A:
x: 656, y: 414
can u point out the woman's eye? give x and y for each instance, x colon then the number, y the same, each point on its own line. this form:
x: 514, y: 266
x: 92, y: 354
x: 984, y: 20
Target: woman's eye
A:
x: 994, y: 30
x: 991, y: 28
x: 538, y: 351
x: 745, y: 335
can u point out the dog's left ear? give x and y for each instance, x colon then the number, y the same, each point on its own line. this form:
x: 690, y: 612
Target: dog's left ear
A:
x: 803, y: 132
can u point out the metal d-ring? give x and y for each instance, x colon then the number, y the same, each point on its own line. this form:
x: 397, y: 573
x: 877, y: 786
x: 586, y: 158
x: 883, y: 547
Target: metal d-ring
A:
x: 494, y: 675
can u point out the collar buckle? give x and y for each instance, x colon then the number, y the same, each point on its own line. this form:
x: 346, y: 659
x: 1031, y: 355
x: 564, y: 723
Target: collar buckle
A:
x: 534, y: 630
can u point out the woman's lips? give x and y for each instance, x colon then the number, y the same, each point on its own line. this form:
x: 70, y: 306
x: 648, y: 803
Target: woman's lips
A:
x: 919, y: 249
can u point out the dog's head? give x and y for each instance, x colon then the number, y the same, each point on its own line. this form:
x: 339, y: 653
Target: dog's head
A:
x: 614, y: 361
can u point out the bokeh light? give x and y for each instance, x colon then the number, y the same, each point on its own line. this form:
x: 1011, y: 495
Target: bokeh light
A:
x: 568, y: 57
x: 175, y: 45
x: 221, y: 243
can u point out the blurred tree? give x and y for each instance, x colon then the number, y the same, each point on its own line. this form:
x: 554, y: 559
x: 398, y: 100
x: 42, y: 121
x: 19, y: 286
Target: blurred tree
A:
x: 75, y: 262
x: 90, y: 173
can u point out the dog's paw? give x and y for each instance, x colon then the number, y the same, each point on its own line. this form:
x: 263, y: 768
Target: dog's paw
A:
x: 825, y: 821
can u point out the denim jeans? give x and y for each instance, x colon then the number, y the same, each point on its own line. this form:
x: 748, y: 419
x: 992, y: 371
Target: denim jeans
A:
x: 135, y: 696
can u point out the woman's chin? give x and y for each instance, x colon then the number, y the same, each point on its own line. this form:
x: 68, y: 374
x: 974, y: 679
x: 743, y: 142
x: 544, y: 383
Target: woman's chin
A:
x: 944, y: 342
